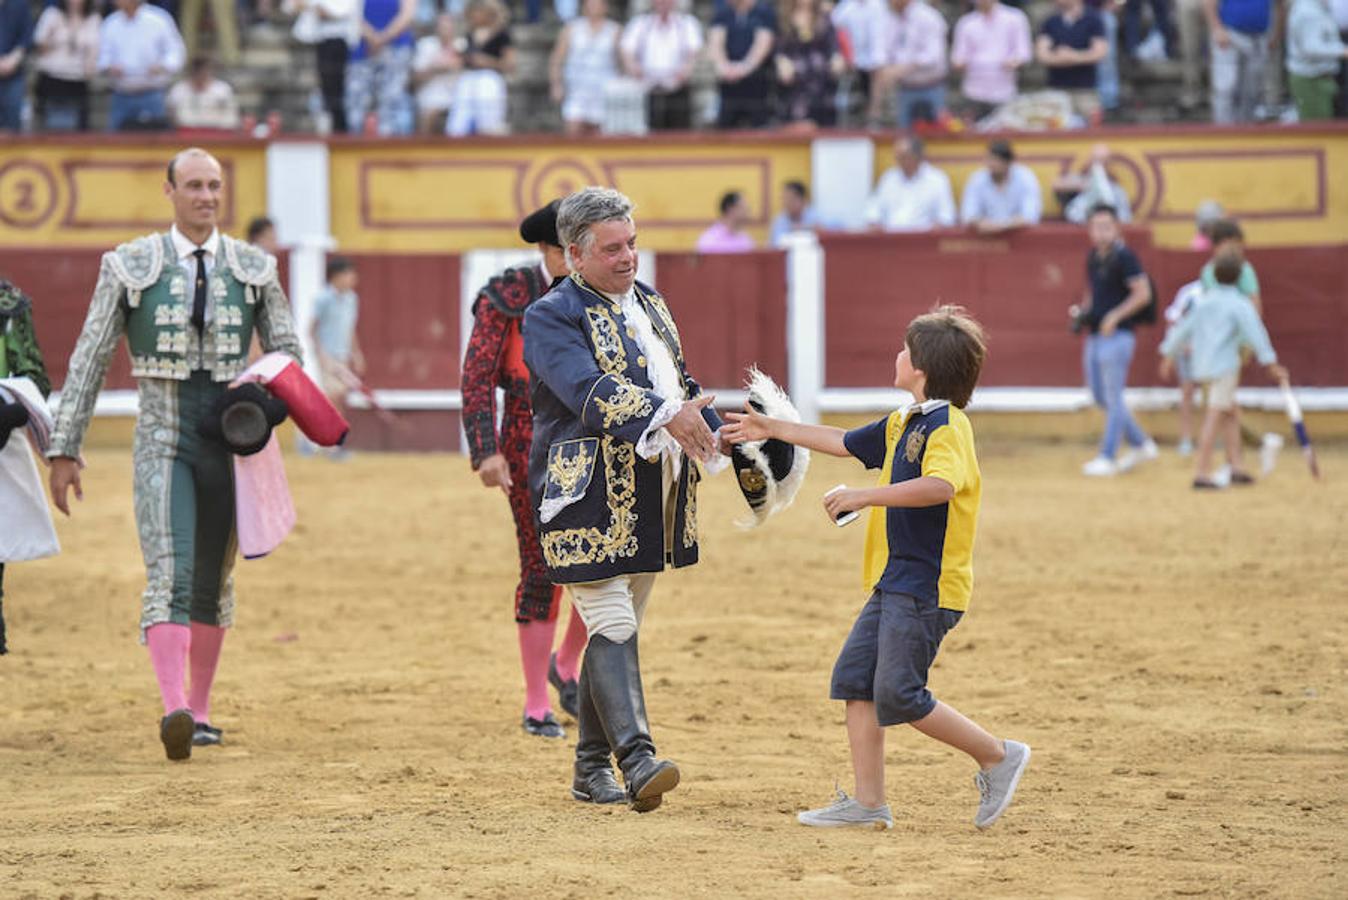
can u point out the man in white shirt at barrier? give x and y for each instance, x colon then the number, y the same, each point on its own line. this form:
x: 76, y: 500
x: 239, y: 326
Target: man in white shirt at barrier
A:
x: 660, y: 49
x: 203, y: 101
x: 140, y: 51
x: 1002, y: 196
x: 914, y: 195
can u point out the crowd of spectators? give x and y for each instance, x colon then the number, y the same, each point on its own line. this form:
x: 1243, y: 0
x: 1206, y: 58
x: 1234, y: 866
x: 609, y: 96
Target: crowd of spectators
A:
x: 444, y: 66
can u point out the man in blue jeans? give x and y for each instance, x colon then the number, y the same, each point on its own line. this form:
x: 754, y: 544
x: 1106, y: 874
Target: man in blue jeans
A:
x: 1119, y: 290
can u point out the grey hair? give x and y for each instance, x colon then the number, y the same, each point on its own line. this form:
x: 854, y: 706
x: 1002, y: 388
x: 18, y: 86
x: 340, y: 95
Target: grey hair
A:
x: 586, y: 207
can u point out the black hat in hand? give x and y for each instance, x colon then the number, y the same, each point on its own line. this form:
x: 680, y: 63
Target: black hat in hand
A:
x: 242, y: 418
x: 769, y: 472
x: 12, y: 416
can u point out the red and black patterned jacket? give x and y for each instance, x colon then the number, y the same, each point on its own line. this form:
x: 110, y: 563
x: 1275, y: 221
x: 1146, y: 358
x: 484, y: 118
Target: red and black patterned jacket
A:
x: 495, y: 358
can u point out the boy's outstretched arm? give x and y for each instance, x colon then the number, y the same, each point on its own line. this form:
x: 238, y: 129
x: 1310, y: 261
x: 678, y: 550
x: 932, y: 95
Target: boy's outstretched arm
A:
x: 754, y: 426
x: 915, y: 492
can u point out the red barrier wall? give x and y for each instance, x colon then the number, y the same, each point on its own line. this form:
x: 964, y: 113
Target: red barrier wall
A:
x: 409, y: 320
x: 730, y: 310
x: 1020, y: 286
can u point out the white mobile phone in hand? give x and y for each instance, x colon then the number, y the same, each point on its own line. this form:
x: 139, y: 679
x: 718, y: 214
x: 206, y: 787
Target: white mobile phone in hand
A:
x: 846, y: 518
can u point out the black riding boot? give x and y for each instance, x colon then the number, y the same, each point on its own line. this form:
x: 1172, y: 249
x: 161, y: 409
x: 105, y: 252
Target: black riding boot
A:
x: 593, y: 781
x: 615, y: 686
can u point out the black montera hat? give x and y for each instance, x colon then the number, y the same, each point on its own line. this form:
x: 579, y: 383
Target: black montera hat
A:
x: 769, y: 472
x: 12, y: 417
x: 540, y: 226
x: 242, y: 418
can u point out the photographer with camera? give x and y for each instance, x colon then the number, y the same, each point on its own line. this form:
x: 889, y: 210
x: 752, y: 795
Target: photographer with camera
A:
x: 1119, y: 298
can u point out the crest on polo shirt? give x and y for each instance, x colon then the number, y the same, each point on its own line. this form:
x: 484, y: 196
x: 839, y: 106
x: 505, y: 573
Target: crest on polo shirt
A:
x: 912, y: 446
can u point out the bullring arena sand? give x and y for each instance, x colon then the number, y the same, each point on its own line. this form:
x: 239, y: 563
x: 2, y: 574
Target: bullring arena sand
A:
x: 1177, y: 662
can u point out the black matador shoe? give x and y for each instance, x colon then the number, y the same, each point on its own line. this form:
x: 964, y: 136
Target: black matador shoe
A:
x: 176, y: 730
x: 567, y: 691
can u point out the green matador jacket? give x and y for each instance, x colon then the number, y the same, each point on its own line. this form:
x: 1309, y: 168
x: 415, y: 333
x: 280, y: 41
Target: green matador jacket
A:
x: 143, y: 292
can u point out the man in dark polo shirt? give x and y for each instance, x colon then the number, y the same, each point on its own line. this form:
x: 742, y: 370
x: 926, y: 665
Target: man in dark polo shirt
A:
x: 1071, y: 43
x: 740, y: 45
x: 1119, y: 291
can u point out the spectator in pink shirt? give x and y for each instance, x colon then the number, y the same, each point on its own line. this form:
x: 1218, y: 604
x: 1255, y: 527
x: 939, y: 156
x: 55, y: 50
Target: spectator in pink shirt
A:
x: 914, y: 61
x: 991, y: 42
x: 727, y: 234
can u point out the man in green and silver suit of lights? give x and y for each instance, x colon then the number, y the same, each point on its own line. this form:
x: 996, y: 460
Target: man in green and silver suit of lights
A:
x: 188, y: 301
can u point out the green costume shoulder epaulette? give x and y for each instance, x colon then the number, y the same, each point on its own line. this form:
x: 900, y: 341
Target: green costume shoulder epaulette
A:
x: 250, y: 265
x: 137, y: 264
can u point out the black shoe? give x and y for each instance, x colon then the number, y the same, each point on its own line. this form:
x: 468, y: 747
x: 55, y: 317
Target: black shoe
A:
x: 206, y: 736
x: 615, y: 687
x: 176, y: 730
x: 547, y: 727
x: 593, y: 781
x: 1242, y: 478
x: 1204, y: 484
x: 567, y: 691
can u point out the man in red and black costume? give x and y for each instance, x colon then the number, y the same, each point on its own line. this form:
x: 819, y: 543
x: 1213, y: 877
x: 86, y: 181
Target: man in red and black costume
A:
x: 495, y: 358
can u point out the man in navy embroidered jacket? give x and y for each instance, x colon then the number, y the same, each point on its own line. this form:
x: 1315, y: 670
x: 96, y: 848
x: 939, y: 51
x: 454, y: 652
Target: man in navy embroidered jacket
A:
x: 618, y: 424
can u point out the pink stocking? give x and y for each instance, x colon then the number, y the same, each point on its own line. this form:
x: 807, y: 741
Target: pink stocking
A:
x: 535, y: 648
x: 573, y: 642
x: 168, y: 644
x: 205, y: 656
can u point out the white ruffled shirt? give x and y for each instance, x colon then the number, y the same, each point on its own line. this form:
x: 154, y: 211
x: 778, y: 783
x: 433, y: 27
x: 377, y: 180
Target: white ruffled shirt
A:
x: 668, y: 384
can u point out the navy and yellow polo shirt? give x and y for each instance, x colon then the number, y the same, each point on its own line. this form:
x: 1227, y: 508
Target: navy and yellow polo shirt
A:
x: 925, y: 552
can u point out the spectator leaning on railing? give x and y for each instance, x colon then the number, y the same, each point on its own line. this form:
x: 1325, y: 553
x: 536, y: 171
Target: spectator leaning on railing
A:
x: 140, y: 52
x: 1071, y: 43
x: 66, y: 40
x: 914, y: 195
x: 1002, y: 196
x: 808, y: 63
x: 660, y: 49
x: 992, y: 42
x: 915, y: 63
x: 583, y: 62
x: 1314, y: 52
x: 740, y: 46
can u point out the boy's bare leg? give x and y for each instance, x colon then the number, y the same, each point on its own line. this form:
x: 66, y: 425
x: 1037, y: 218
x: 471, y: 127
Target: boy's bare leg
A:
x: 1186, y: 410
x: 949, y: 726
x: 1231, y: 434
x: 867, y: 740
x: 1206, y: 439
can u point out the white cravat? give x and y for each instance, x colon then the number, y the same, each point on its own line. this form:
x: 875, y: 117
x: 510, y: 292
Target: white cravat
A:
x: 666, y: 381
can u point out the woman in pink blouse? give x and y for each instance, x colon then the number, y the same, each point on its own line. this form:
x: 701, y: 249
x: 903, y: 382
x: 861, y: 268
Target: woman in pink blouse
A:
x: 66, y: 38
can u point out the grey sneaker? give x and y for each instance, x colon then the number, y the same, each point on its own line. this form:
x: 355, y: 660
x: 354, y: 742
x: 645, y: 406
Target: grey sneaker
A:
x: 845, y: 812
x: 997, y: 785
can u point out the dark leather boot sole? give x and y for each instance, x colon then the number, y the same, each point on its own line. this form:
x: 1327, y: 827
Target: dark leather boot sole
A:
x: 175, y: 731
x: 650, y: 794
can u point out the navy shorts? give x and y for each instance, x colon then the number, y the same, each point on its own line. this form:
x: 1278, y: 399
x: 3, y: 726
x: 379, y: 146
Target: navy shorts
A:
x: 888, y: 653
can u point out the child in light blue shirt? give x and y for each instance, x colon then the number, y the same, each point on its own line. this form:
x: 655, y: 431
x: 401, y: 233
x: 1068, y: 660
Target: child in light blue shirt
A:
x: 1215, y: 329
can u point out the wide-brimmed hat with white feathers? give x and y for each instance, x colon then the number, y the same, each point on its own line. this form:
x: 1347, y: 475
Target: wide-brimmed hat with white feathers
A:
x: 769, y: 472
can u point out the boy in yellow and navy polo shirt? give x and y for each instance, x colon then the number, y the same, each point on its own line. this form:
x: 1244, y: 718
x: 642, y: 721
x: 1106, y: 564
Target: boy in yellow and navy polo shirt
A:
x: 918, y: 565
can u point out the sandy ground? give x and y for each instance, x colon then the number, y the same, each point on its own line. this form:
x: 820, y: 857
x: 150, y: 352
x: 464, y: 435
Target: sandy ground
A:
x: 1177, y: 662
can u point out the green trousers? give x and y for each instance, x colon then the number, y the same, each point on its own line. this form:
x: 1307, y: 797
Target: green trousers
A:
x: 184, y: 495
x: 1314, y: 97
